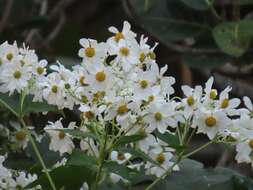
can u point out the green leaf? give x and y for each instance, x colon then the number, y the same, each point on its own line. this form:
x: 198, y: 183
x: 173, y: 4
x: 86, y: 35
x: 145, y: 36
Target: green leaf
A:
x: 196, y: 4
x: 234, y: 38
x: 10, y: 102
x: 69, y: 177
x: 170, y: 139
x: 128, y: 139
x: 192, y: 176
x: 79, y: 158
x: 125, y: 172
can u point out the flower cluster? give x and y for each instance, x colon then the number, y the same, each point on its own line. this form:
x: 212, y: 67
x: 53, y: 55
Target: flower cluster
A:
x: 119, y: 85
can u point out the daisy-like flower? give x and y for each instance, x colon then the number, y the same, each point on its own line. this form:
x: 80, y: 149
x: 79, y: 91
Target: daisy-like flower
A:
x: 53, y: 90
x: 210, y: 93
x: 160, y: 116
x: 228, y: 105
x: 39, y: 69
x: 15, y: 77
x: 99, y: 78
x: 119, y: 157
x: 163, y: 158
x: 60, y: 141
x: 92, y: 51
x: 127, y: 54
x: 248, y: 104
x: 192, y: 100
x: 125, y: 34
x: 145, y: 80
x: 211, y: 123
x: 9, y: 52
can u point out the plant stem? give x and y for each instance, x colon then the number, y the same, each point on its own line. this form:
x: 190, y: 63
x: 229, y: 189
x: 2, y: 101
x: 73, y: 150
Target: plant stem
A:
x: 198, y: 149
x: 38, y: 154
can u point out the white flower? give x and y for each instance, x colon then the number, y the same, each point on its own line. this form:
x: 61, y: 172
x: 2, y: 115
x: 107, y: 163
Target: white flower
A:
x: 9, y: 52
x: 15, y: 77
x: 24, y: 179
x: 116, y: 178
x: 99, y: 78
x: 92, y: 52
x: 211, y: 123
x: 60, y: 141
x: 39, y: 69
x: 163, y: 158
x: 125, y: 34
x: 119, y: 157
x: 160, y: 116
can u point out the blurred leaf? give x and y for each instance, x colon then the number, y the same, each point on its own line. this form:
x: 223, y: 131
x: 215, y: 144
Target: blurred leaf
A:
x: 196, y: 4
x: 69, y: 177
x: 122, y: 170
x: 192, y: 176
x: 10, y: 102
x: 205, y: 60
x: 128, y: 139
x: 170, y: 139
x: 234, y: 38
x: 79, y: 158
x: 50, y: 157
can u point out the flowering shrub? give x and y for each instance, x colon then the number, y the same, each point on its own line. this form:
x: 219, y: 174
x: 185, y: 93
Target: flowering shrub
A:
x: 131, y: 126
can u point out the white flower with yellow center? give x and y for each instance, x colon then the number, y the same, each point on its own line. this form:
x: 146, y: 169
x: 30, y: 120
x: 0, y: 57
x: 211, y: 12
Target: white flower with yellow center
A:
x: 125, y: 34
x: 39, y: 69
x: 15, y: 77
x: 127, y: 54
x: 53, y: 90
x: 164, y: 159
x: 144, y: 81
x: 100, y: 78
x: 92, y: 51
x: 8, y: 52
x: 60, y: 141
x: 228, y: 105
x: 160, y: 116
x: 210, y: 93
x: 211, y: 123
x: 120, y: 157
x: 192, y: 99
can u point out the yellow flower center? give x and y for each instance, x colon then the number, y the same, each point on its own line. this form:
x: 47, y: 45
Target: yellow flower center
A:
x: 142, y: 132
x: 122, y: 109
x: 158, y: 116
x: 142, y: 57
x: 152, y: 55
x: 40, y: 70
x: 17, y: 74
x: 213, y: 94
x: 100, y: 76
x: 89, y: 52
x: 82, y: 80
x: 9, y: 56
x: 124, y: 51
x: 251, y: 143
x: 160, y: 158
x: 190, y: 100
x: 225, y: 103
x: 98, y: 95
x: 20, y: 135
x: 143, y: 84
x: 210, y: 121
x: 118, y: 36
x: 61, y: 135
x: 84, y: 99
x: 121, y: 156
x: 151, y: 98
x: 54, y: 89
